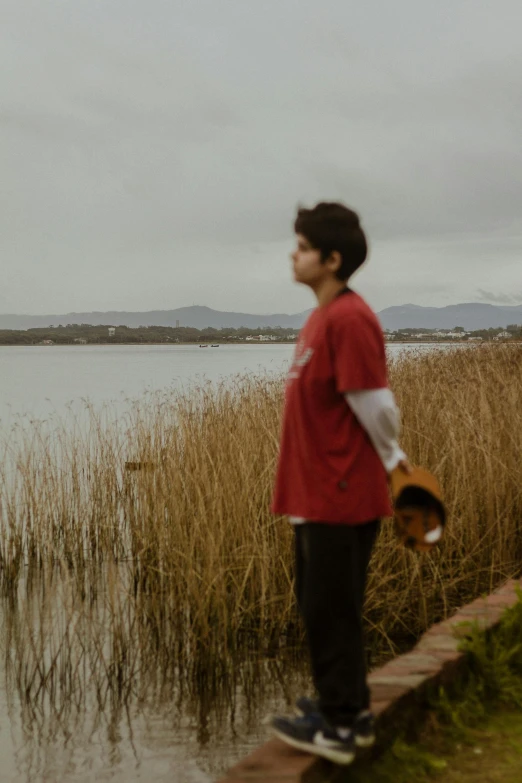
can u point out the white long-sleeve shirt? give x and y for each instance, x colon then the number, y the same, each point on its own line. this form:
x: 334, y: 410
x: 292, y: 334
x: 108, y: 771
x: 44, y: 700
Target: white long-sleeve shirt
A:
x: 377, y: 413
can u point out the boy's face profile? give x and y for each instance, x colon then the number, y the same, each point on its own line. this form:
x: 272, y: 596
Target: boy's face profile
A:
x: 308, y: 267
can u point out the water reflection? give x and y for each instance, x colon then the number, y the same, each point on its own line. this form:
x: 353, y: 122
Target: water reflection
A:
x: 90, y: 698
x: 85, y: 698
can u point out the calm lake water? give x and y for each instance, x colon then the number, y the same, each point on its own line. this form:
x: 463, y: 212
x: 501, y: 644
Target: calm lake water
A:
x: 44, y: 379
x: 39, y: 380
x: 175, y: 737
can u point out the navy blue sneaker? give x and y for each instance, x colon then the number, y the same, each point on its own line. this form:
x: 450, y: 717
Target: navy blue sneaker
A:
x: 363, y: 727
x: 306, y: 706
x: 313, y: 734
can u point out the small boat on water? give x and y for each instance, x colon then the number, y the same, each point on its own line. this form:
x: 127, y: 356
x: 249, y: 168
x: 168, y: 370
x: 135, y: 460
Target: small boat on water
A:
x: 204, y: 346
x: 216, y: 345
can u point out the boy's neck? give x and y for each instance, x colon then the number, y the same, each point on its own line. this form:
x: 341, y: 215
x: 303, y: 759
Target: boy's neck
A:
x: 327, y: 290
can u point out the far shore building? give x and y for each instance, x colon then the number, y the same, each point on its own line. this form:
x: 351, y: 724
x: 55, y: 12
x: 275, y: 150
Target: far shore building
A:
x: 112, y: 331
x: 503, y: 336
x: 46, y: 342
x: 80, y: 341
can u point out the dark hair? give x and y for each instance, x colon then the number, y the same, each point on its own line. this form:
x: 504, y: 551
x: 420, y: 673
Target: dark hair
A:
x: 330, y: 226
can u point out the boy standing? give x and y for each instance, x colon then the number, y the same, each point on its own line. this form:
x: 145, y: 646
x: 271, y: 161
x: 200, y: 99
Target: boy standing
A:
x: 338, y: 443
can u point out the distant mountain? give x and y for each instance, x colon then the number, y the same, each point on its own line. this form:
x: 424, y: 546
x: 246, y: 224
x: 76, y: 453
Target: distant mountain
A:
x: 196, y: 316
x: 471, y: 316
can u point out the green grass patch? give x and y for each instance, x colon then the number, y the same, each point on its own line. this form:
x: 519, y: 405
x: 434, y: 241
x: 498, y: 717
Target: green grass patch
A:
x: 489, y: 753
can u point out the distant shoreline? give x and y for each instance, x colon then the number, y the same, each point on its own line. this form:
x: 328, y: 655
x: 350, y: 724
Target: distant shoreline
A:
x: 244, y: 343
x: 134, y: 344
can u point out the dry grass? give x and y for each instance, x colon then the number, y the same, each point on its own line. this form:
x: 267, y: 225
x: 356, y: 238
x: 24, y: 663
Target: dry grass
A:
x: 111, y: 574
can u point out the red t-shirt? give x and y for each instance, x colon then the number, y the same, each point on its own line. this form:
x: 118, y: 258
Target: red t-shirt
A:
x: 328, y: 468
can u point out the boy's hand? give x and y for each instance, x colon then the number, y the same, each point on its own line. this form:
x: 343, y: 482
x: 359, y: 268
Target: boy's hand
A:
x: 405, y: 466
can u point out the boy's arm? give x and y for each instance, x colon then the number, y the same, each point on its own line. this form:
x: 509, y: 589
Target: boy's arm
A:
x: 359, y: 363
x: 377, y: 413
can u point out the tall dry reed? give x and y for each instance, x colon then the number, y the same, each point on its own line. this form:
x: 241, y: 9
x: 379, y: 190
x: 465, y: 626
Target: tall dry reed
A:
x: 115, y: 573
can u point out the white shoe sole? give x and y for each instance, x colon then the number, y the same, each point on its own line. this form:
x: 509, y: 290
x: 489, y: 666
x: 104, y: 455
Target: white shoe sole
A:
x: 337, y: 756
x: 364, y: 742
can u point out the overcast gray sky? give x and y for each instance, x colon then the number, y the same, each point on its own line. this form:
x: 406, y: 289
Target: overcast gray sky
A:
x: 153, y: 151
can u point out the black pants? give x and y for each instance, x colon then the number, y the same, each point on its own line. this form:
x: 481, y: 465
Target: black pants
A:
x: 331, y: 566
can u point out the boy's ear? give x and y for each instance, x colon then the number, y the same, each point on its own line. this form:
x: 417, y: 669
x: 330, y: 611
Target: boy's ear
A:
x: 334, y: 261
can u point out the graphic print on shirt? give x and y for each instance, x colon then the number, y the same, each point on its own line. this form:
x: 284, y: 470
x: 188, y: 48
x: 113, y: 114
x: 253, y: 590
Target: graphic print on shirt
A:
x: 302, y: 356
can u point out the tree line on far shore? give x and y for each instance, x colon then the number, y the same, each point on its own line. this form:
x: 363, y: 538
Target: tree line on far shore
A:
x: 513, y: 330
x: 73, y: 333
x: 68, y: 334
